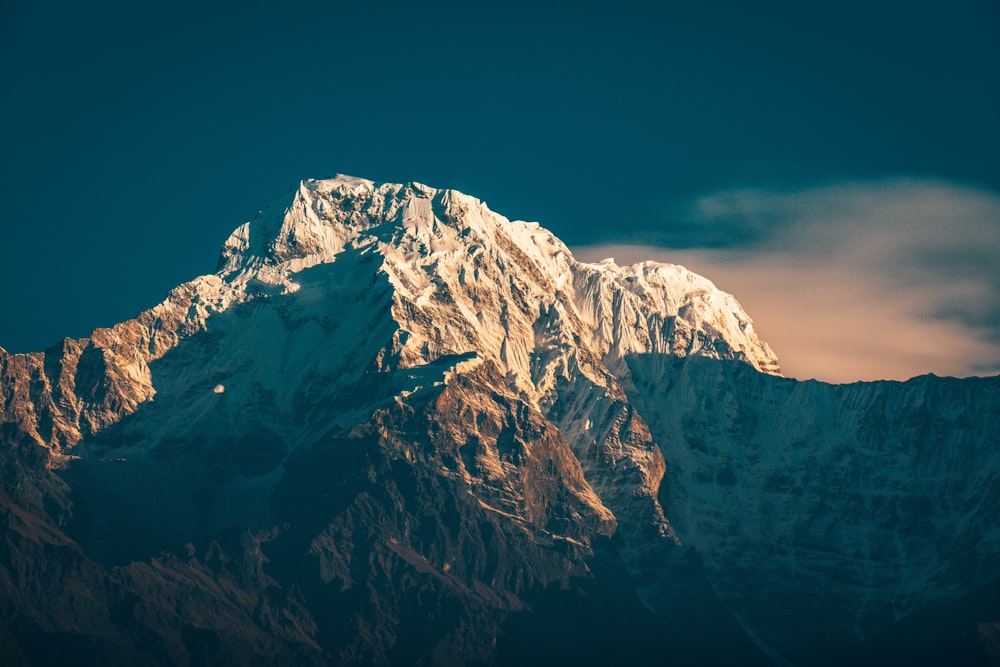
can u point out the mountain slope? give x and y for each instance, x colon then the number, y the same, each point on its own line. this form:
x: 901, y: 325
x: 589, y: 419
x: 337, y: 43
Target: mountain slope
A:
x: 395, y: 426
x: 861, y: 504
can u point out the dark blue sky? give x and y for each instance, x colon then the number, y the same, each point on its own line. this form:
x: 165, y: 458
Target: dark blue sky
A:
x: 133, y: 138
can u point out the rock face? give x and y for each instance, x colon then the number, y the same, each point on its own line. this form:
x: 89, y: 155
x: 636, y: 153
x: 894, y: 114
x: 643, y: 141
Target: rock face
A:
x: 395, y: 427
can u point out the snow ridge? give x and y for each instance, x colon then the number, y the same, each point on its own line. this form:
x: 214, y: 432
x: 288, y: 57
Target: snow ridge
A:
x: 463, y: 279
x: 435, y: 242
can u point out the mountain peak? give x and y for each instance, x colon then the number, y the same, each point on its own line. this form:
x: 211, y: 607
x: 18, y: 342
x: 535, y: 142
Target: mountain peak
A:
x: 453, y: 277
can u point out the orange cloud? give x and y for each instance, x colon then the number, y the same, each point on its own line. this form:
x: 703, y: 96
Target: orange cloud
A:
x: 869, y: 281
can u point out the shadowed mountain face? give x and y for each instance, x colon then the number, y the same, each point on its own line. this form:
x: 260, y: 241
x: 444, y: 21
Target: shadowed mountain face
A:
x: 396, y: 428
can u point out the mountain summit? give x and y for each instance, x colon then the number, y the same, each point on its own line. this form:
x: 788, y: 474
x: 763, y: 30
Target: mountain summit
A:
x: 457, y: 279
x: 395, y: 427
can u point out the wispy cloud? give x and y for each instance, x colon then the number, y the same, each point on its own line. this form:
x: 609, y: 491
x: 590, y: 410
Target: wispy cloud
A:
x: 871, y: 280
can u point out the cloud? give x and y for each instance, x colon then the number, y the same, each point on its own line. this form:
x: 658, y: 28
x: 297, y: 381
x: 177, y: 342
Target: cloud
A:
x: 858, y: 281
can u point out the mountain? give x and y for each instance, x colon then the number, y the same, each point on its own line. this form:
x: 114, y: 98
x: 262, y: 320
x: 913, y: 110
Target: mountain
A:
x: 395, y: 427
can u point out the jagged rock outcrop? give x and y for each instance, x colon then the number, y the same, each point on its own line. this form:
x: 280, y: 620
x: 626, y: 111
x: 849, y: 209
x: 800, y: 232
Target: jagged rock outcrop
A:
x: 395, y: 427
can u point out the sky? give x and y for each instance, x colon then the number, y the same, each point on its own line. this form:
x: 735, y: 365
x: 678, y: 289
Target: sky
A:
x: 834, y: 166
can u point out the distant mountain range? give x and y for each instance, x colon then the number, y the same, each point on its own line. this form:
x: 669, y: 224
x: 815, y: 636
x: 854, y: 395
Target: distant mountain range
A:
x: 396, y: 428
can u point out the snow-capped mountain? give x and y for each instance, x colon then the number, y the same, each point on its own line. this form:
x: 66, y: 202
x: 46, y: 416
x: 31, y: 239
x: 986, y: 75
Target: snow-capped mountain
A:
x: 395, y: 426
